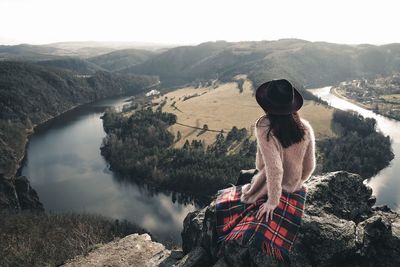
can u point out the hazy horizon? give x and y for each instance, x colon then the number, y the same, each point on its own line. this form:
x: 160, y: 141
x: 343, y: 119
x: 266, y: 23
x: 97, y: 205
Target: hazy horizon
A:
x: 179, y: 22
x: 123, y: 44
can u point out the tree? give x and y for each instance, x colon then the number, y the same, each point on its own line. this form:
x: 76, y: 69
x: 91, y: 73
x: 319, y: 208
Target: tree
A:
x: 178, y: 136
x: 186, y: 145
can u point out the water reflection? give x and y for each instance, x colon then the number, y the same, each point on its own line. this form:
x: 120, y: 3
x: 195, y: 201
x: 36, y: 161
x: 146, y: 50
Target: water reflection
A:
x: 65, y: 167
x: 181, y: 198
x: 385, y: 184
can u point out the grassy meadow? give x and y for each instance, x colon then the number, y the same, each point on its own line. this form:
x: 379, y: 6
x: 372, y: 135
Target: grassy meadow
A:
x: 226, y: 106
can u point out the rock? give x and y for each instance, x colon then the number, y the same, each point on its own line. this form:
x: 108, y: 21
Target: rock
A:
x: 8, y: 195
x: 371, y: 201
x: 27, y: 196
x: 192, y: 231
x: 132, y: 250
x: 324, y: 240
x: 339, y: 229
x: 339, y: 193
x: 382, y: 208
x: 220, y: 263
x: 198, y: 257
x: 378, y: 239
x: 237, y: 255
x: 245, y: 176
x: 198, y: 229
x: 17, y: 194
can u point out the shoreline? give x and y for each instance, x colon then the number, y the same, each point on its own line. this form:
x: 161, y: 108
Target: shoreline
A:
x: 336, y: 93
x: 31, y: 131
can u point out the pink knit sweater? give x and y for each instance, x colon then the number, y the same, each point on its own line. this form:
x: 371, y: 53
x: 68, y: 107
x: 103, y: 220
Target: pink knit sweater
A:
x: 279, y: 168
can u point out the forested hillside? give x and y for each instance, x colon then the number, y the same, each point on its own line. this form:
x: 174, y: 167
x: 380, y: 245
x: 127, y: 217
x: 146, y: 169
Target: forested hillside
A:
x: 359, y: 147
x: 30, y: 52
x: 309, y: 64
x: 121, y: 59
x: 31, y: 94
x: 77, y: 65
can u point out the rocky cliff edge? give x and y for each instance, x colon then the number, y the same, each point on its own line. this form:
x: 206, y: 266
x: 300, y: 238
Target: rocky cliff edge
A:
x: 340, y: 228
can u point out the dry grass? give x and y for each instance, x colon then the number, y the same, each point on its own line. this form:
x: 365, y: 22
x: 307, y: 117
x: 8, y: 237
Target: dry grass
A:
x: 320, y: 117
x: 43, y: 239
x: 225, y: 107
x: 395, y: 98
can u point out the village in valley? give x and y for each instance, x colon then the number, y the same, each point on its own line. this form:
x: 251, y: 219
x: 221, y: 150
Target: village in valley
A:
x: 382, y: 95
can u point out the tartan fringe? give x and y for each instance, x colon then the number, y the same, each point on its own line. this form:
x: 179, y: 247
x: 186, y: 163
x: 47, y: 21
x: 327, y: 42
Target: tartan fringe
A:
x: 272, y: 251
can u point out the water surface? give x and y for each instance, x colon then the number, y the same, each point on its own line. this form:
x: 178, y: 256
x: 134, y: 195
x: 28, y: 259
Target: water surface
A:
x: 386, y: 184
x: 66, y: 169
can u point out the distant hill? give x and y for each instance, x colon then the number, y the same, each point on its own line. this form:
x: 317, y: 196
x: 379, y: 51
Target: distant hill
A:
x: 25, y: 52
x: 305, y: 63
x: 77, y: 65
x: 309, y: 64
x: 184, y: 64
x: 91, y: 49
x: 121, y: 59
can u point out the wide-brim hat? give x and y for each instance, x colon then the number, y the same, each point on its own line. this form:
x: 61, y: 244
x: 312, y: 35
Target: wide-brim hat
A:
x: 279, y: 97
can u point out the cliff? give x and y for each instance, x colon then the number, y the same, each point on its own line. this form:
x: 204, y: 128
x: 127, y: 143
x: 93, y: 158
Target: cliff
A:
x: 340, y: 228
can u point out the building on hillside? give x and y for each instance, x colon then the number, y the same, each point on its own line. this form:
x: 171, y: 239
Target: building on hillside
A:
x: 153, y: 92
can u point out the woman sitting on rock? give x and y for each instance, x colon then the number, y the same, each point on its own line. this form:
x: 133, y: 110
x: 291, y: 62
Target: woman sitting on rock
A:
x: 267, y: 212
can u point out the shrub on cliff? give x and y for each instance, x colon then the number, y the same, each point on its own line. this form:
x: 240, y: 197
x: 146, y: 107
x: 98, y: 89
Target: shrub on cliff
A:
x: 40, y: 239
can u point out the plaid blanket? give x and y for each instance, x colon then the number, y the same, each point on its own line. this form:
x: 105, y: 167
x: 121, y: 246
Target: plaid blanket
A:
x: 237, y: 221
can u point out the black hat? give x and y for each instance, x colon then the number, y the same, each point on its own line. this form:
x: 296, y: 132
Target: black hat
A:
x: 279, y: 97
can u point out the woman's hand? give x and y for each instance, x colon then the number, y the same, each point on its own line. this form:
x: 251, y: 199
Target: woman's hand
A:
x: 246, y: 188
x: 265, y: 209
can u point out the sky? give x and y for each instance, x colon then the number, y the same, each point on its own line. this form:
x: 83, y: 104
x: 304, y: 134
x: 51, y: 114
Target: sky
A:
x: 193, y: 22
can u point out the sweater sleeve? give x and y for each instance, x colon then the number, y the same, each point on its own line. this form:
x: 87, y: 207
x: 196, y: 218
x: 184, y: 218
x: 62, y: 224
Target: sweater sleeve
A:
x: 259, y: 159
x: 309, y: 157
x: 272, y: 158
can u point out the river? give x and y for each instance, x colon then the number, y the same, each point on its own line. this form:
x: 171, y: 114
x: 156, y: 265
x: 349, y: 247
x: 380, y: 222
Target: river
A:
x: 65, y: 167
x: 386, y: 184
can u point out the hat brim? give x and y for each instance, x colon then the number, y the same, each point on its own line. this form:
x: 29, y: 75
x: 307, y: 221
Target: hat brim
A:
x: 272, y: 108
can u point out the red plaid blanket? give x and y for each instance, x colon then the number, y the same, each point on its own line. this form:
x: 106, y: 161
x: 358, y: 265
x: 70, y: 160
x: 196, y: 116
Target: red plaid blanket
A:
x: 237, y: 221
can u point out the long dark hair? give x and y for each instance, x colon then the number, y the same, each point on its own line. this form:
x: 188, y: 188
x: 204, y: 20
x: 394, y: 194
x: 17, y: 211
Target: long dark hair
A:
x: 287, y: 128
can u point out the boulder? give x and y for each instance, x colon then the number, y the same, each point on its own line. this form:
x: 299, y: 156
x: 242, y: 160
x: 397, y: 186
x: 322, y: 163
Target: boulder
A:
x: 340, y: 228
x: 378, y: 239
x: 197, y: 257
x: 132, y: 250
x: 339, y: 193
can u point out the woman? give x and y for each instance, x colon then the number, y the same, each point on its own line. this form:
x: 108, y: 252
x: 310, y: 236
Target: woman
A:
x: 268, y: 211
